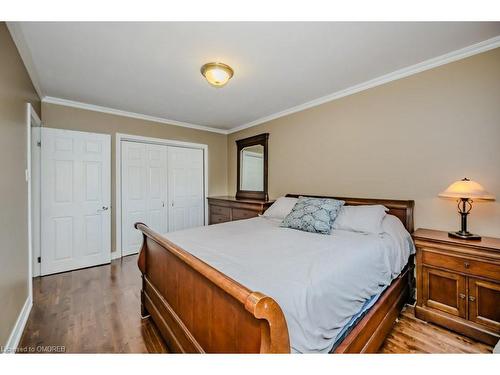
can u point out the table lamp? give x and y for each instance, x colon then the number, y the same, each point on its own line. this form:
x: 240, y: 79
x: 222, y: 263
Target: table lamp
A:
x: 465, y: 191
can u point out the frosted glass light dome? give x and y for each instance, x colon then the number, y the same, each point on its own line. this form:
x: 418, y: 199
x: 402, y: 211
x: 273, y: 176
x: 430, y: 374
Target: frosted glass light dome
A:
x: 217, y: 74
x: 466, y: 188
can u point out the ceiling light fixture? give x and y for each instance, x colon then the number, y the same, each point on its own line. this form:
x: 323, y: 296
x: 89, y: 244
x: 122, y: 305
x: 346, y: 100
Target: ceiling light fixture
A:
x: 217, y: 74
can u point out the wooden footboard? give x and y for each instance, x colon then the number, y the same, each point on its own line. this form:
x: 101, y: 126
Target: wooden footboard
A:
x: 200, y: 310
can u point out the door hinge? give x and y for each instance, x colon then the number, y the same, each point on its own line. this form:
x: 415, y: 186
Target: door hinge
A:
x: 39, y: 259
x: 39, y: 143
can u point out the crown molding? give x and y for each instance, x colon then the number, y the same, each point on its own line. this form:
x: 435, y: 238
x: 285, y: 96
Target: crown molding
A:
x: 22, y: 47
x: 398, y: 74
x: 19, y: 40
x: 119, y: 112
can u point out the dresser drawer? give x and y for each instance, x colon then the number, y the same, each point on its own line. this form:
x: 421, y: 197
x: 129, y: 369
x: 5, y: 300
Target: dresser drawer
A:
x: 220, y: 210
x: 240, y: 214
x: 461, y: 264
x: 216, y: 219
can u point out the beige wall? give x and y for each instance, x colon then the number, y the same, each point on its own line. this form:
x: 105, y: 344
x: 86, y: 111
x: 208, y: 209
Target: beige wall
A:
x: 16, y: 90
x: 407, y: 139
x: 56, y: 116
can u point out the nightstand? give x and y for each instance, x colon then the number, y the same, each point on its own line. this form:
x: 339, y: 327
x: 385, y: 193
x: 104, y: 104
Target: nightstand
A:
x: 458, y: 284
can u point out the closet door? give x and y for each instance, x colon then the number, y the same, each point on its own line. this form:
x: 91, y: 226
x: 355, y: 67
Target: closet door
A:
x: 144, y: 182
x: 156, y: 187
x: 185, y: 188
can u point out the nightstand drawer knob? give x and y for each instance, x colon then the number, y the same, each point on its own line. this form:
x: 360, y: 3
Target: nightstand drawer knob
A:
x: 466, y: 264
x: 472, y: 298
x: 462, y: 296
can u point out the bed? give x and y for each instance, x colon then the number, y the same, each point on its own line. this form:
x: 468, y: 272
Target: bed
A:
x: 233, y: 288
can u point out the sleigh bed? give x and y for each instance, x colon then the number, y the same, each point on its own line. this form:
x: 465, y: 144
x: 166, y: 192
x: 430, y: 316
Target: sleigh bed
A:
x: 199, y: 309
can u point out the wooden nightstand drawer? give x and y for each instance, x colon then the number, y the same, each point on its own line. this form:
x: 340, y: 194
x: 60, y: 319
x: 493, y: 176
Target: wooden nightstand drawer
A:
x: 220, y: 210
x: 461, y: 264
x: 240, y: 214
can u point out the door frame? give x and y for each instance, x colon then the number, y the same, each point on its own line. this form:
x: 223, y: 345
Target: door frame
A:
x: 31, y: 115
x: 119, y: 137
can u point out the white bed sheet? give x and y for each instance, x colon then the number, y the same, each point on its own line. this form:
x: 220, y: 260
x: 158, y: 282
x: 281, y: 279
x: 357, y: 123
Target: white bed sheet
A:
x: 320, y: 281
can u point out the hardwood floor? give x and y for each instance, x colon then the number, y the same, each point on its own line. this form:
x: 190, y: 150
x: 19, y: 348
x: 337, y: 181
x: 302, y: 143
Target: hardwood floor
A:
x: 412, y: 335
x: 97, y: 310
x: 93, y: 310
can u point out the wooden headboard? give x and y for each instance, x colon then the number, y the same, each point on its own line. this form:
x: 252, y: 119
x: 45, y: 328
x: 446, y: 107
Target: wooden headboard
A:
x: 402, y: 209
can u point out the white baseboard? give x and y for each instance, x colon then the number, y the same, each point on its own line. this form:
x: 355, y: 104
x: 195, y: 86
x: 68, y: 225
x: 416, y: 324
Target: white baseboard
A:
x: 115, y: 255
x: 17, y: 331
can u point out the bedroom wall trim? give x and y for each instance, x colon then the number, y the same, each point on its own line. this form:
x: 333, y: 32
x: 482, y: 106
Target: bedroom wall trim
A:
x: 31, y: 116
x: 17, y: 332
x: 447, y: 58
x: 119, y: 112
x: 34, y: 220
x: 117, y: 253
x: 398, y: 74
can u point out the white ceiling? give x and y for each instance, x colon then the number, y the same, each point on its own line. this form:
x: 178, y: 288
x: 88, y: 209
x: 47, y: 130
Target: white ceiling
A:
x: 154, y: 68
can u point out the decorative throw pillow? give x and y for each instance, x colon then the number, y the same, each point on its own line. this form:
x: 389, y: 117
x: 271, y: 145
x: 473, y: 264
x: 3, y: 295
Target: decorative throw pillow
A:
x: 314, y: 215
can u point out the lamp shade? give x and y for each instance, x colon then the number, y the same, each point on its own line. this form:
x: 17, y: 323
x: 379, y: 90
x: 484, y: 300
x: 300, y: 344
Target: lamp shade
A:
x: 466, y: 188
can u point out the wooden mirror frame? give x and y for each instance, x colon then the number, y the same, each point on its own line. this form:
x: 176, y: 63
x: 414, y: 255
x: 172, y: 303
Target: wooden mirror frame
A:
x: 260, y: 139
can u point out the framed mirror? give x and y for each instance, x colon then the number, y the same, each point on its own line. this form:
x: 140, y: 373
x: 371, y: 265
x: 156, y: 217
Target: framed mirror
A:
x: 252, y: 167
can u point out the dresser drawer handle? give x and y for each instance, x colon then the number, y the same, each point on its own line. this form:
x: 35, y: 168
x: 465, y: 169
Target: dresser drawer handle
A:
x: 466, y: 264
x: 462, y: 296
x: 472, y: 298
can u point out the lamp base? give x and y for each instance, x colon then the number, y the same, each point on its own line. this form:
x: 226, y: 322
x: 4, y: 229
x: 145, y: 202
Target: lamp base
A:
x: 464, y: 236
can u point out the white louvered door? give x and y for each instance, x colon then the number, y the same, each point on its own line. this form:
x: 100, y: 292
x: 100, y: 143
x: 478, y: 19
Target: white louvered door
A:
x: 75, y: 200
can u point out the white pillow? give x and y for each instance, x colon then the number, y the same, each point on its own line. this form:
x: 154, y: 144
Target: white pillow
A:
x: 367, y: 219
x: 281, y: 208
x: 395, y: 228
x: 403, y: 243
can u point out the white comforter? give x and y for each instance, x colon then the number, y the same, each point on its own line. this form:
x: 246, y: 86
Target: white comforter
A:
x: 320, y: 281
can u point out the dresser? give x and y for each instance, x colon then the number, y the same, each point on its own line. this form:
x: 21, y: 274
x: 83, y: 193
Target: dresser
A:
x: 223, y: 209
x: 458, y: 284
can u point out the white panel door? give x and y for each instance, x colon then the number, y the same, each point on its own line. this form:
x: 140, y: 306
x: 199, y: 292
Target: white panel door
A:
x: 144, y: 191
x: 185, y: 188
x: 75, y: 200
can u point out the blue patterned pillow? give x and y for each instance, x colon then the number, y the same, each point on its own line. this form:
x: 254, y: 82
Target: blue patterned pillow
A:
x: 314, y: 215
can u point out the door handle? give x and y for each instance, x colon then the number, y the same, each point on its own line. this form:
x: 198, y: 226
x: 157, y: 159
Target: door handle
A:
x: 472, y: 298
x: 103, y: 208
x: 462, y: 296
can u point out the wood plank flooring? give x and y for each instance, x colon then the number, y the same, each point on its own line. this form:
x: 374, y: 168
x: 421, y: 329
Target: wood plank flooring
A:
x: 412, y: 335
x: 97, y: 310
x: 93, y: 310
